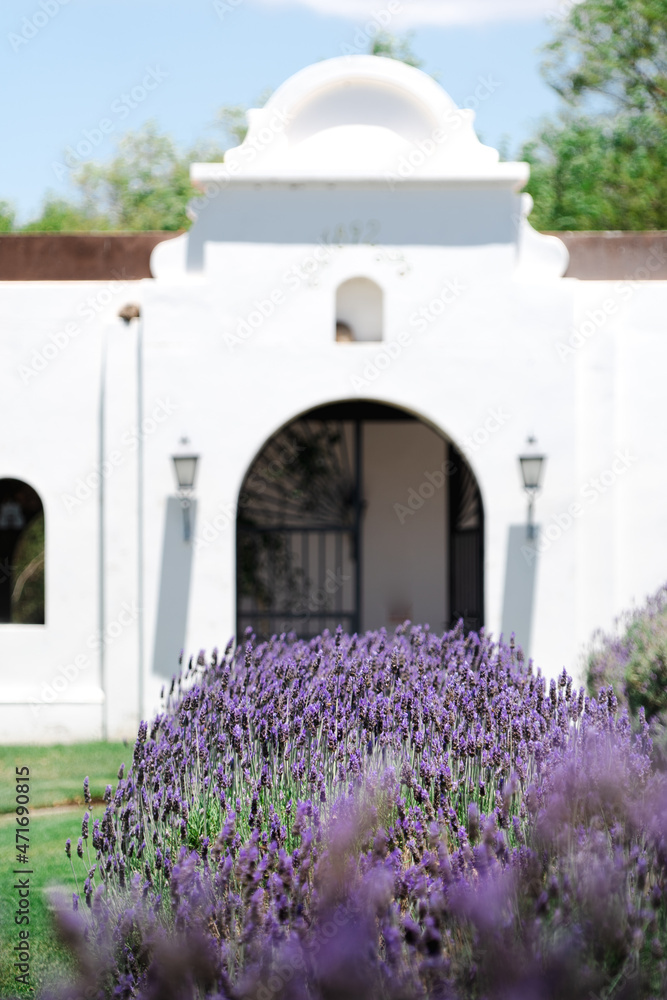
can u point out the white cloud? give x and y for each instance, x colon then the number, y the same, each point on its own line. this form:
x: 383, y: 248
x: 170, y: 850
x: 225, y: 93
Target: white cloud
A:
x: 435, y: 12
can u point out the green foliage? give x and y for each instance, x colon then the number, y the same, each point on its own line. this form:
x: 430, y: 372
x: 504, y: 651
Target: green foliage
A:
x: 391, y: 47
x: 145, y: 186
x: 646, y: 670
x: 613, y: 49
x: 7, y: 217
x: 232, y: 120
x: 593, y: 173
x: 61, y: 216
x: 634, y: 664
x: 605, y: 171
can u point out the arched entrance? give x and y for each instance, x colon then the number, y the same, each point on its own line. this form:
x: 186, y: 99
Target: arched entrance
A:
x: 21, y: 554
x: 358, y: 514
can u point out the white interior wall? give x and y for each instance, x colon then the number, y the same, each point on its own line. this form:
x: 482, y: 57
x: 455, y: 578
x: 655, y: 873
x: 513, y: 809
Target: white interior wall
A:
x: 404, y: 527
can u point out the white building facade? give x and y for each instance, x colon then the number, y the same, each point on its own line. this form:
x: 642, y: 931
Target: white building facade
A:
x: 356, y: 338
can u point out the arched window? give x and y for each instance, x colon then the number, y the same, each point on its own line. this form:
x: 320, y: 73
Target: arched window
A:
x: 21, y: 554
x: 359, y: 311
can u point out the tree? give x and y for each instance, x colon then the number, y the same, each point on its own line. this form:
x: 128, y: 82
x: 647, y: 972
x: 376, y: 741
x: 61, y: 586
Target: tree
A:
x: 7, y: 217
x: 589, y: 173
x: 602, y: 164
x: 391, y: 47
x: 61, y: 216
x: 615, y: 50
x: 232, y: 119
x: 146, y: 185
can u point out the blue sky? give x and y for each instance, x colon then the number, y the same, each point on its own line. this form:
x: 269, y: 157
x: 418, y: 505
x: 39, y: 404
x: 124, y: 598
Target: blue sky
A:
x: 66, y: 66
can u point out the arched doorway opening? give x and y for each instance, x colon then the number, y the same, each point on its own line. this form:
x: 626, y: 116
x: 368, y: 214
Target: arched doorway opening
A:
x: 21, y: 554
x: 362, y: 515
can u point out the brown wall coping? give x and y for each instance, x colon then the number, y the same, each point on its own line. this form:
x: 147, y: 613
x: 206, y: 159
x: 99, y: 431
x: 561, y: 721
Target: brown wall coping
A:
x: 78, y: 256
x: 594, y: 256
x: 616, y: 256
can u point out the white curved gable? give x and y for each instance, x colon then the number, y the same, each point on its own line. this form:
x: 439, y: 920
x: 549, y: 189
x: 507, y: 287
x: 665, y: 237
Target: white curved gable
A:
x: 364, y: 137
x: 360, y: 116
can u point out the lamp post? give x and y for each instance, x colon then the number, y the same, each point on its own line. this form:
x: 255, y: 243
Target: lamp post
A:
x: 532, y: 467
x: 185, y: 466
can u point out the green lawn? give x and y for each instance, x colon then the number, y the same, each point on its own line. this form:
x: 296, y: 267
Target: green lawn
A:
x: 51, y: 868
x: 56, y: 778
x: 57, y: 772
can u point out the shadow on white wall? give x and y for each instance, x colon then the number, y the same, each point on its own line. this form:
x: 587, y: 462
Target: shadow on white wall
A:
x: 175, y: 576
x: 520, y: 584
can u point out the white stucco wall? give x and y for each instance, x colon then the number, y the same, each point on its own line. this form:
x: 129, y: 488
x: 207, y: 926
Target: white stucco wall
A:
x: 404, y: 555
x: 239, y: 339
x: 52, y: 339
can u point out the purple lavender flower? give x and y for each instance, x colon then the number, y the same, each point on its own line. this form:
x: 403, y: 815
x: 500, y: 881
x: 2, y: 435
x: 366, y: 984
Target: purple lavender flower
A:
x: 424, y: 790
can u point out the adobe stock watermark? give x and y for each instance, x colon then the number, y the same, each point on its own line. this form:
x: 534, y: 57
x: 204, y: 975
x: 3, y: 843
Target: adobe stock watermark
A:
x: 496, y: 419
x: 255, y: 143
x: 265, y: 307
x: 422, y: 151
x: 257, y: 483
x: 88, y: 309
x: 225, y: 7
x: 590, y: 492
x: 380, y: 20
x: 67, y: 674
x: 32, y: 25
x: 563, y: 11
x: 419, y: 320
x: 119, y: 109
x: 597, y: 317
x: 86, y: 486
x: 433, y: 481
x: 316, y: 603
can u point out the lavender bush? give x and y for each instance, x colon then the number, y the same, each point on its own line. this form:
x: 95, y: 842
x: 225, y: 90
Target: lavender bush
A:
x: 376, y: 816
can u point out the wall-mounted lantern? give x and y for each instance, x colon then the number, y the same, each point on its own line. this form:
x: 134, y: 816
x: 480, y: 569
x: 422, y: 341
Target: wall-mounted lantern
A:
x: 185, y: 466
x: 532, y: 469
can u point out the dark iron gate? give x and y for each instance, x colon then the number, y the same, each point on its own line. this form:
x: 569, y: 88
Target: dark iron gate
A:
x: 299, y: 528
x: 466, y: 546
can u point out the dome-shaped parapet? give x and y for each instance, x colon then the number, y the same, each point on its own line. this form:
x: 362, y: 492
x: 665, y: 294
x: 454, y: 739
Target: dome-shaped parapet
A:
x: 371, y: 139
x: 360, y: 117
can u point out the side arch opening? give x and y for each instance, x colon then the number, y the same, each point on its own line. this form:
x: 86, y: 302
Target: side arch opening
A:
x: 22, y: 547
